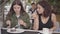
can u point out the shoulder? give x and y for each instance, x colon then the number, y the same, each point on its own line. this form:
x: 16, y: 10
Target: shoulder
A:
x: 13, y: 16
x: 53, y: 15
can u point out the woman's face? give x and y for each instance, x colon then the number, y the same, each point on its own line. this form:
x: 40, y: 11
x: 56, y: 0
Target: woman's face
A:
x: 17, y: 8
x: 40, y: 9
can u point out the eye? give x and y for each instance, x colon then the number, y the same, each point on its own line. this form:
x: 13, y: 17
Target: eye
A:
x: 18, y: 7
x: 38, y: 8
x: 14, y: 7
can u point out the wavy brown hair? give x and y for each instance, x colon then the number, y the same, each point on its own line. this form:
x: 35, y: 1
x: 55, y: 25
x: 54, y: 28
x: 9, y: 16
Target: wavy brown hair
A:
x: 47, y: 8
x: 11, y: 12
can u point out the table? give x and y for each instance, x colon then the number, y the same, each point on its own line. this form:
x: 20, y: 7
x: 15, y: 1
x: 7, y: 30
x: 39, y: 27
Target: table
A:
x: 4, y: 31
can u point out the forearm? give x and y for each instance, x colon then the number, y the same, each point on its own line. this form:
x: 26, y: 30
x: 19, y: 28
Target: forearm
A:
x: 53, y: 28
x: 35, y: 28
x: 28, y: 24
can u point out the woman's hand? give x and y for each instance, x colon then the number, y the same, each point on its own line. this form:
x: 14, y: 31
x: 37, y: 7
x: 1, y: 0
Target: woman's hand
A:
x: 22, y: 22
x: 51, y: 30
x: 8, y: 22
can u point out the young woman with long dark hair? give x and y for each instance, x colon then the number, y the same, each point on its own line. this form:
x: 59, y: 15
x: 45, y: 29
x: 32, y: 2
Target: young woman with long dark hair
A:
x: 17, y: 16
x: 44, y: 18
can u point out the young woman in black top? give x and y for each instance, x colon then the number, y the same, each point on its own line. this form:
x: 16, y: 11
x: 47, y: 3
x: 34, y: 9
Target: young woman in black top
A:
x: 43, y: 17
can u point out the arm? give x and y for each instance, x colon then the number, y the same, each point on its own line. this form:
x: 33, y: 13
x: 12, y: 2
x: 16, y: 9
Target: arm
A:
x: 54, y: 21
x: 35, y: 26
x: 25, y: 18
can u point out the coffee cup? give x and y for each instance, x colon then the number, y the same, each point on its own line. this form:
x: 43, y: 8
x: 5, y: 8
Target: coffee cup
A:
x: 46, y: 31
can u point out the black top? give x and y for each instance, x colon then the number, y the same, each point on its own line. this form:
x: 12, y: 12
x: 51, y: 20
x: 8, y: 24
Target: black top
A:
x: 49, y: 23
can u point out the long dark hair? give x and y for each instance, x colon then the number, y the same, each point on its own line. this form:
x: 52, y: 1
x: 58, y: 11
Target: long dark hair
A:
x: 11, y: 12
x: 47, y: 8
x: 54, y: 9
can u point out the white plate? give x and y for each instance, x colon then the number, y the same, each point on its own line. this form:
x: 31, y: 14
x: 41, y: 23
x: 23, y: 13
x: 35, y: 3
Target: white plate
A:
x: 17, y: 31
